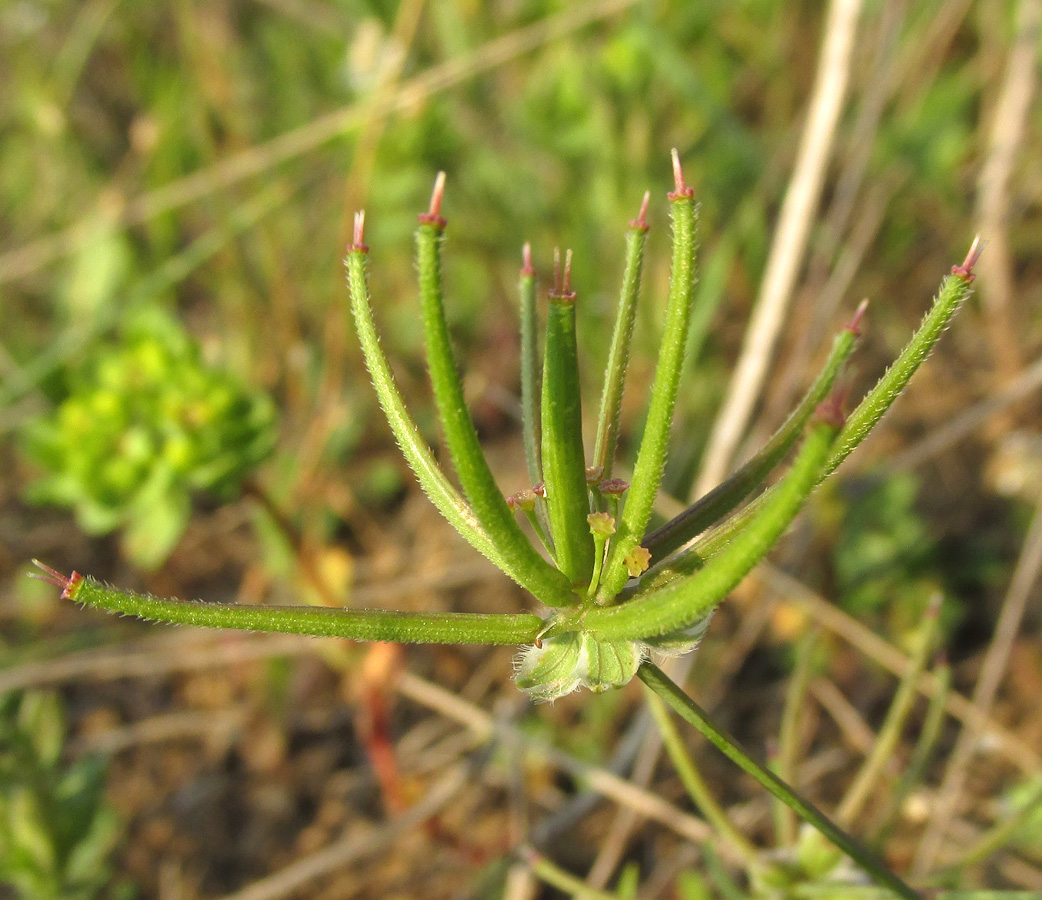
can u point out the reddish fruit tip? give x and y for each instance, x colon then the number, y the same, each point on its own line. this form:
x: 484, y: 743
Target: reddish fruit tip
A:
x: 680, y: 190
x: 433, y: 214
x: 641, y: 221
x: 614, y: 486
x: 831, y: 410
x: 358, y: 237
x: 854, y: 325
x: 562, y: 290
x: 965, y: 271
x: 526, y: 260
x: 52, y: 576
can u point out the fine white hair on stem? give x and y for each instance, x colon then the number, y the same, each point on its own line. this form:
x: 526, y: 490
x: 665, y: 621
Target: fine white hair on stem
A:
x: 790, y: 241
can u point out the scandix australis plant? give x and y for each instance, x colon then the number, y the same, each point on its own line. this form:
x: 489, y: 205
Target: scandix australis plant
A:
x: 615, y: 594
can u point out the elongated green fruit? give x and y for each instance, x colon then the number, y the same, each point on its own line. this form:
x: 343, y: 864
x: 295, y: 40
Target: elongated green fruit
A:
x: 564, y: 465
x: 418, y: 455
x: 683, y: 602
x: 658, y: 682
x: 488, y: 503
x: 529, y: 368
x: 651, y: 458
x: 726, y: 496
x: 619, y: 355
x: 954, y: 290
x: 354, y: 624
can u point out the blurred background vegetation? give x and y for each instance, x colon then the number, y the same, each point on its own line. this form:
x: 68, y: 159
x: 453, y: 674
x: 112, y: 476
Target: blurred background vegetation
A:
x: 182, y: 407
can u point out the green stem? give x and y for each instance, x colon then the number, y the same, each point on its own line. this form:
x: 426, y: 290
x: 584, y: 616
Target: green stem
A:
x: 651, y: 458
x: 488, y: 503
x: 924, y: 747
x: 893, y: 725
x: 564, y: 465
x: 356, y: 625
x: 789, y: 735
x: 551, y: 873
x: 696, y: 786
x: 683, y: 602
x: 657, y: 681
x: 619, y: 354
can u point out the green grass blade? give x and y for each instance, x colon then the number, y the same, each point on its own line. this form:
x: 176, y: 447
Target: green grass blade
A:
x: 651, y: 458
x: 619, y: 354
x: 356, y: 625
x: 722, y: 499
x: 687, y: 600
x: 657, y: 682
x: 530, y: 368
x: 564, y: 465
x: 488, y: 503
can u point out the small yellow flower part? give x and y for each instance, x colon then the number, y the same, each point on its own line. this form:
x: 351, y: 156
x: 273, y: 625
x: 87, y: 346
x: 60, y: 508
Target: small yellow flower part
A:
x: 601, y: 524
x: 637, y: 561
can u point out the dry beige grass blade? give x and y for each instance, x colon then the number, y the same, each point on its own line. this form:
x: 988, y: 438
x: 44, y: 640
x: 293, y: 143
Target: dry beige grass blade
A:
x: 790, y: 590
x: 993, y: 670
x: 646, y: 803
x: 28, y: 258
x: 1008, y: 128
x: 353, y: 847
x: 789, y: 245
x: 969, y: 422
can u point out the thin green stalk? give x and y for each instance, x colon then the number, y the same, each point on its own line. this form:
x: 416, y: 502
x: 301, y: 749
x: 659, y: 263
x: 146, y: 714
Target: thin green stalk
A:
x: 924, y: 747
x: 657, y: 681
x: 548, y: 871
x: 564, y: 464
x: 858, y: 892
x: 529, y: 367
x: 696, y: 786
x: 789, y: 733
x: 684, y: 602
x: 619, y: 354
x: 418, y: 455
x: 722, y: 499
x: 488, y: 503
x: 997, y: 837
x: 356, y: 625
x: 651, y: 458
x: 896, y: 718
